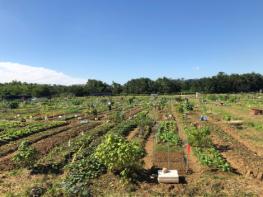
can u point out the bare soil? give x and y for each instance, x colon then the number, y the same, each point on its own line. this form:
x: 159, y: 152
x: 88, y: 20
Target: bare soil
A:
x: 132, y: 134
x: 242, y: 159
x: 148, y: 159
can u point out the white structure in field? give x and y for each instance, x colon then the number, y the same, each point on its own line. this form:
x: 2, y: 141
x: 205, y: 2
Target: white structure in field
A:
x: 170, y: 176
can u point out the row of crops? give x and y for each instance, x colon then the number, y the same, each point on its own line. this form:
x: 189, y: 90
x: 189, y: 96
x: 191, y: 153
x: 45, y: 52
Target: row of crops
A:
x: 168, y: 151
x: 41, y: 108
x: 77, y: 157
x: 167, y: 133
x: 203, y: 148
x: 199, y: 138
x: 101, y: 153
x: 5, y: 125
x: 15, y: 133
x: 81, y: 163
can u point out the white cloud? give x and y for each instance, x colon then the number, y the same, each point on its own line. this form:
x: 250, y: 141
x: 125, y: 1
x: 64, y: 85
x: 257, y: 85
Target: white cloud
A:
x: 196, y: 68
x: 10, y: 71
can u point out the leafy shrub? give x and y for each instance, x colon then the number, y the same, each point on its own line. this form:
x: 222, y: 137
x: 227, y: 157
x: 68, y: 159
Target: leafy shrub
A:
x: 167, y: 132
x: 124, y: 127
x: 26, y: 155
x: 204, y: 150
x: 180, y: 108
x: 120, y: 155
x: 184, y: 107
x: 13, y: 105
x: 162, y: 103
x: 81, y: 172
x: 198, y: 136
x: 212, y: 158
x: 227, y: 117
x: 131, y: 100
x: 143, y: 121
x: 117, y: 117
x: 188, y: 106
x: 92, y: 110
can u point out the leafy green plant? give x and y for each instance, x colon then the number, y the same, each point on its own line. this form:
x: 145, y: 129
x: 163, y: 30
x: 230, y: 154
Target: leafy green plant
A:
x: 198, y: 137
x: 26, y: 155
x: 117, y: 117
x: 180, y: 108
x: 167, y: 132
x: 212, y: 158
x: 204, y: 150
x: 124, y: 127
x: 143, y: 121
x: 81, y: 172
x: 185, y: 107
x: 257, y: 126
x: 188, y: 106
x: 162, y: 103
x: 227, y: 117
x: 14, y: 133
x: 118, y: 154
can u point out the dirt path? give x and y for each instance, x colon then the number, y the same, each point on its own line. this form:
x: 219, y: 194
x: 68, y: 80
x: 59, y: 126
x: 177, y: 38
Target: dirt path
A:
x: 131, y: 112
x: 132, y: 134
x: 148, y: 159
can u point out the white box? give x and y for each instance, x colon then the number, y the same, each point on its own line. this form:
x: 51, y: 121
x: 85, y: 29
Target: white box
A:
x: 170, y: 177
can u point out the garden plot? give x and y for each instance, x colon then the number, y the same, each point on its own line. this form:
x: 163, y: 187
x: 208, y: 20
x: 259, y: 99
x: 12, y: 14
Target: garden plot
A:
x: 250, y: 134
x: 45, y: 145
x: 168, y: 152
x: 74, y: 158
x: 240, y: 157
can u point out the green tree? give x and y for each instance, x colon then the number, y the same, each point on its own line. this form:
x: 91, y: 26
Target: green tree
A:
x: 116, y: 88
x: 140, y: 86
x: 96, y: 86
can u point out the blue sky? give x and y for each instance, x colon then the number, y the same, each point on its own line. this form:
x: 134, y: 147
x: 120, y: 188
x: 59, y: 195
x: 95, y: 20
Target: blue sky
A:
x: 123, y: 39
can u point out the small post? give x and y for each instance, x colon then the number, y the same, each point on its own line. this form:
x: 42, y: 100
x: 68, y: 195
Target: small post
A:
x: 168, y: 155
x: 188, y: 147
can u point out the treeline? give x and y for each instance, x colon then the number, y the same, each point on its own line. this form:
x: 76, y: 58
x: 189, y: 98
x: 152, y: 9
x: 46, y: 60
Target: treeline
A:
x: 221, y: 83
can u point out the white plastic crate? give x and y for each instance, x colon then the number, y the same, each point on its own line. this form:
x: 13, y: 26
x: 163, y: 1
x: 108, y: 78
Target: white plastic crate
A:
x: 171, y: 176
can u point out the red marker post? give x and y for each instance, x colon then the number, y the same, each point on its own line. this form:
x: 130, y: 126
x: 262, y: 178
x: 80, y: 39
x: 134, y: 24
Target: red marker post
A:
x: 188, y: 150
